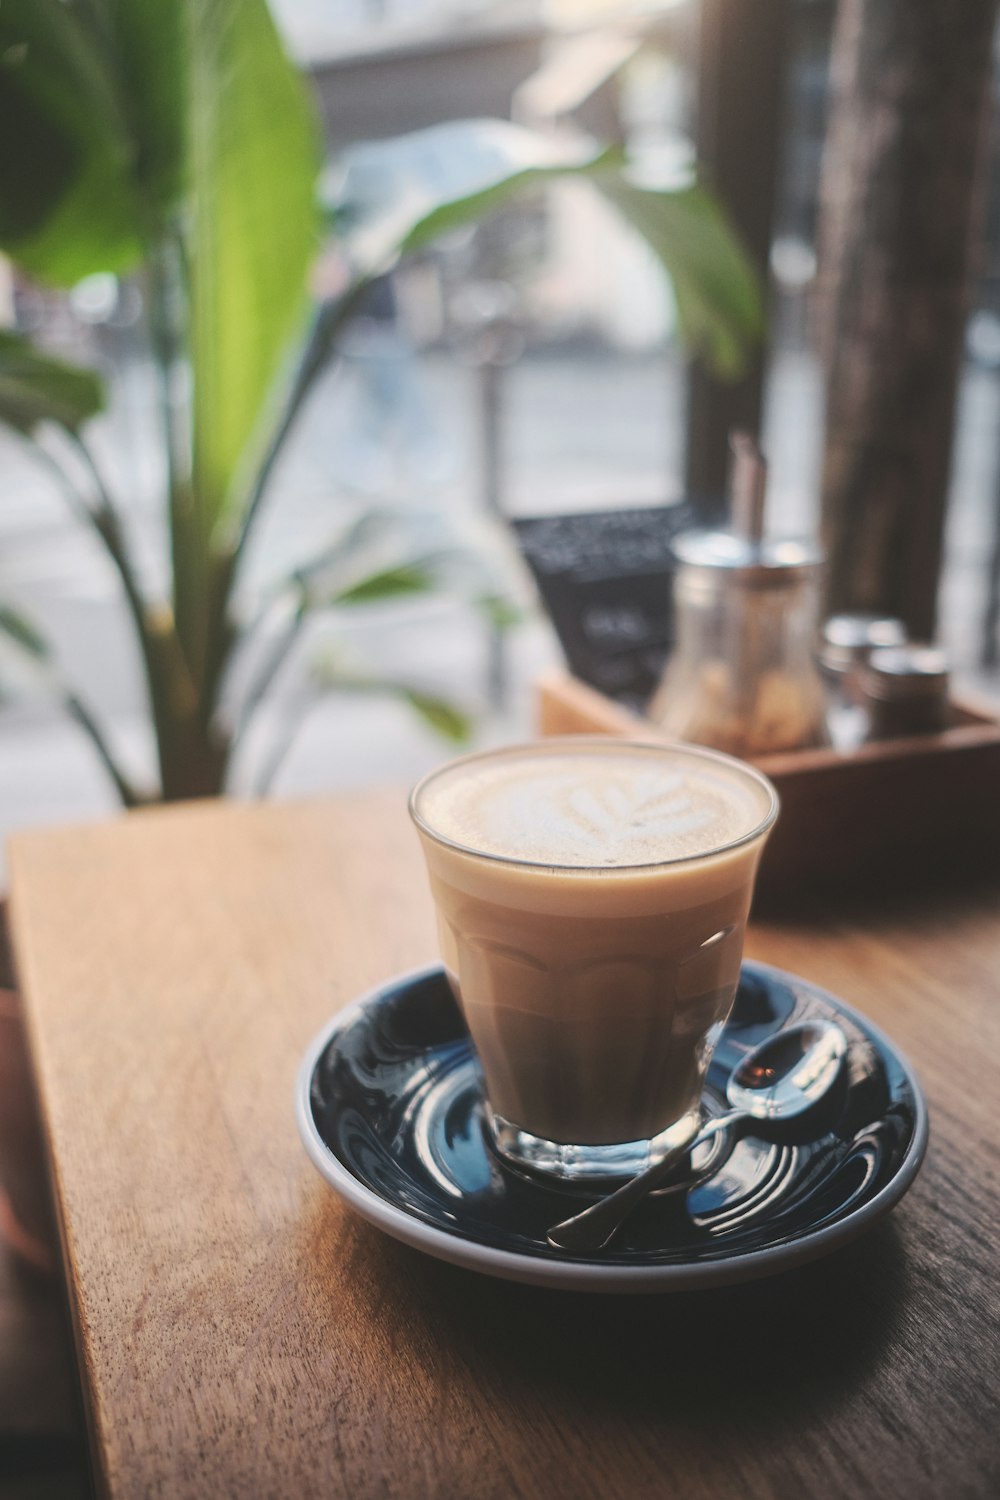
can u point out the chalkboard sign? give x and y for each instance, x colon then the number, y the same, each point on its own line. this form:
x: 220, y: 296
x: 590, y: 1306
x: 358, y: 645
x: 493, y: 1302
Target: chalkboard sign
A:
x: 605, y: 580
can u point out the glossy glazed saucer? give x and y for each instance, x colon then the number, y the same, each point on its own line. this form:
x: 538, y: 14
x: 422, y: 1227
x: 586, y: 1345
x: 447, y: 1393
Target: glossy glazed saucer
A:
x: 389, y: 1108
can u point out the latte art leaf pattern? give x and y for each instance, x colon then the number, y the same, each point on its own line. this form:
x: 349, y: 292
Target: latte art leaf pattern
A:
x: 609, y: 821
x: 605, y: 817
x: 600, y: 809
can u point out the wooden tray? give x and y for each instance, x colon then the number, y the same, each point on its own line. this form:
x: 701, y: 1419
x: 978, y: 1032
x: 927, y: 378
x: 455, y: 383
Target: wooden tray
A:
x: 904, y: 811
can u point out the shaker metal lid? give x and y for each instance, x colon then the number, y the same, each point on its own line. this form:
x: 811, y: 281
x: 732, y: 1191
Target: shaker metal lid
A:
x: 849, y: 639
x: 912, y: 671
x: 777, y: 560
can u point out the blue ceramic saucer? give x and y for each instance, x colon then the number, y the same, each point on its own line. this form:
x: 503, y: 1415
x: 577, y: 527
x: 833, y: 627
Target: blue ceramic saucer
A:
x: 389, y: 1109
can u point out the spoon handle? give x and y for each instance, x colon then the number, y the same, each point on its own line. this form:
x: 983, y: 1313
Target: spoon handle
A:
x: 597, y: 1225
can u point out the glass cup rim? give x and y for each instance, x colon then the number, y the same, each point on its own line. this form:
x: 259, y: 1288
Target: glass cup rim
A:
x: 554, y: 743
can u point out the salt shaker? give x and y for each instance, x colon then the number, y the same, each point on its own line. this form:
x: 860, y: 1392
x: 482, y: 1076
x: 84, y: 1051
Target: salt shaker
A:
x: 743, y: 676
x: 848, y: 641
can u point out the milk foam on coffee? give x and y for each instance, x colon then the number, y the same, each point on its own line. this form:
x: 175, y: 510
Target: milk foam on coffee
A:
x: 591, y: 901
x: 607, y: 808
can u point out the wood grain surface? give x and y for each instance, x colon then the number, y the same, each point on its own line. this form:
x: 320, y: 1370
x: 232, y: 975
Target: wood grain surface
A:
x: 241, y: 1332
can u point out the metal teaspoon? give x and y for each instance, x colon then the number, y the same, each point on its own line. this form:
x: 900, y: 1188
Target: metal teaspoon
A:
x: 785, y: 1078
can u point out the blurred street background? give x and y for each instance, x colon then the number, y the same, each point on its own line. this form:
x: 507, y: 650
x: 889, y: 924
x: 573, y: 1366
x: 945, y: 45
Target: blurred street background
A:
x: 590, y: 400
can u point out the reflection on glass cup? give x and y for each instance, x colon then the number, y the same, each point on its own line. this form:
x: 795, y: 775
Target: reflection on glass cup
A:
x: 592, y: 897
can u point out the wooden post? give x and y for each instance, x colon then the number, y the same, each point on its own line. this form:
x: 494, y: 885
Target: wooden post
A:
x: 898, y: 217
x: 741, y: 95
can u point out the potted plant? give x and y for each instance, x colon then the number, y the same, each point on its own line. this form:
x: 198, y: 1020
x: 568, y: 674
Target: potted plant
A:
x: 178, y: 143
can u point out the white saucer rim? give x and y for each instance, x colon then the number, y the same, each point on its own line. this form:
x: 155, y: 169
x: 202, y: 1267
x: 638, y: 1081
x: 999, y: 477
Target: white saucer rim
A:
x: 594, y: 1275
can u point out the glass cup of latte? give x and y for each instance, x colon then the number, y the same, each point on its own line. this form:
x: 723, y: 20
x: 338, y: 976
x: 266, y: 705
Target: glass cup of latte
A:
x: 592, y: 897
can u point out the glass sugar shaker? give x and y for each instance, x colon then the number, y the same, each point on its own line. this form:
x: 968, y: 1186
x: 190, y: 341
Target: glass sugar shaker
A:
x: 743, y: 676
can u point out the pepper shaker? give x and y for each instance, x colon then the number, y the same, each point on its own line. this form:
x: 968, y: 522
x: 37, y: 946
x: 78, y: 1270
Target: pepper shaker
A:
x: 906, y: 691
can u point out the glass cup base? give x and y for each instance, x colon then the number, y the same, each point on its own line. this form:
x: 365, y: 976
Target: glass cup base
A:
x: 586, y: 1164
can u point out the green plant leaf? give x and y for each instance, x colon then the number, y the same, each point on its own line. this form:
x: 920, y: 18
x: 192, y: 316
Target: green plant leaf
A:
x: 26, y: 670
x: 341, y: 584
x: 332, y: 673
x: 382, y: 551
x: 375, y: 540
x: 716, y: 288
x: 396, y: 196
x: 144, y: 49
x: 253, y: 153
x: 441, y: 715
x: 330, y: 676
x: 387, y: 583
x: 23, y: 634
x: 35, y: 388
x: 498, y: 612
x: 68, y: 199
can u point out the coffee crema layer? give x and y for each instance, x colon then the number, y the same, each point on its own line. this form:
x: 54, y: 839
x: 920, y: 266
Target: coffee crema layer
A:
x: 593, y: 806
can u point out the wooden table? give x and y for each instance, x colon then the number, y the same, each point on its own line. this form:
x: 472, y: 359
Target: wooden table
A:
x: 241, y: 1332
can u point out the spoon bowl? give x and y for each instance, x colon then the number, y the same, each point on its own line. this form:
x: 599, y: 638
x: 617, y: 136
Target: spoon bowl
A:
x: 795, y: 1081
x: 778, y: 1090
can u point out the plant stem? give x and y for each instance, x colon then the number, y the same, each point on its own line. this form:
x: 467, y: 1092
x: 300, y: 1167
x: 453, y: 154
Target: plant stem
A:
x: 163, y: 293
x: 292, y: 722
x: 273, y: 662
x: 69, y: 490
x: 167, y: 678
x: 172, y: 693
x: 329, y: 318
x: 127, y: 792
x: 226, y: 561
x: 106, y: 522
x: 171, y: 690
